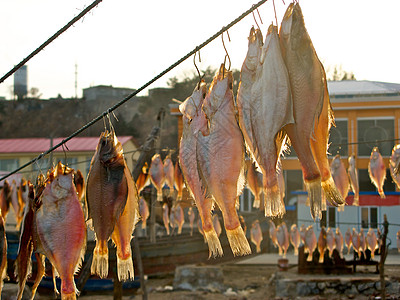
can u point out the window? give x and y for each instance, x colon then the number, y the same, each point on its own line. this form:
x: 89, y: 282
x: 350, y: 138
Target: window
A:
x: 41, y: 165
x: 372, y: 130
x: 338, y: 138
x: 9, y: 164
x: 328, y: 218
x: 369, y: 217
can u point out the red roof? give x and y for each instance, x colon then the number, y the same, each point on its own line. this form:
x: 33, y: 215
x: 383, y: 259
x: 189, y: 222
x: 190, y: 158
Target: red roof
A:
x: 39, y: 145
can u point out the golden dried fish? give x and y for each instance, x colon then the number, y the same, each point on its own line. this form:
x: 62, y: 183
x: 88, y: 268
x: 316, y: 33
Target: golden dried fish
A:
x: 220, y: 157
x: 377, y: 170
x: 295, y: 238
x: 143, y: 178
x: 322, y: 244
x: 178, y: 182
x: 157, y: 175
x: 5, y: 199
x: 143, y: 211
x: 353, y: 177
x: 169, y: 172
x: 112, y: 206
x: 256, y: 235
x: 312, y: 109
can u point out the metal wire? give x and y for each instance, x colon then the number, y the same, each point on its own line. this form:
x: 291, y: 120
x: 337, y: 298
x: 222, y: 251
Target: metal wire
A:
x: 52, y: 38
x: 130, y: 96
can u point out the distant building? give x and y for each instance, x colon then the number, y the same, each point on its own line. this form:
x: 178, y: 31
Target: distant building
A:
x: 21, y: 82
x: 106, y: 92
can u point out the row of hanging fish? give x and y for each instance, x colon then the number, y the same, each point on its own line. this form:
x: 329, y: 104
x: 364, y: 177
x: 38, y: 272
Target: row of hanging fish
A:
x: 328, y: 240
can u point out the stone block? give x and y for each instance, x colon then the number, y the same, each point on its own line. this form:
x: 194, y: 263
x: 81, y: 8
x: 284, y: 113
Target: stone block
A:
x: 190, y: 277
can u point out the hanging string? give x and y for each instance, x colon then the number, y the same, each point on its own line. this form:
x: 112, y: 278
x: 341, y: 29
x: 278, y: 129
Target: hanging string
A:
x: 51, y: 39
x: 130, y: 96
x: 276, y: 19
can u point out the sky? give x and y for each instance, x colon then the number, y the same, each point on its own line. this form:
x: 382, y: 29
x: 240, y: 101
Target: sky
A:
x: 125, y: 43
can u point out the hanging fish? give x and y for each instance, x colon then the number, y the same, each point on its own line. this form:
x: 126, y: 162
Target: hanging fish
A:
x: 398, y: 240
x: 355, y: 240
x: 23, y: 192
x: 169, y: 173
x: 353, y: 176
x: 270, y: 110
x: 178, y: 182
x: 194, y: 121
x: 244, y: 94
x: 179, y: 217
x: 112, y: 201
x: 372, y: 242
x: 363, y: 242
x: 394, y: 165
x: 144, y: 212
x: 272, y: 233
x: 339, y: 242
x: 377, y: 170
x: 61, y: 215
x: 310, y: 242
x: 330, y: 241
x: 157, y: 175
x: 339, y: 175
x: 3, y: 252
x: 282, y: 236
x: 217, y: 224
x: 303, y: 230
x: 143, y: 178
x: 166, y: 217
x: 5, y: 199
x: 17, y: 204
x: 348, y: 240
x: 254, y: 182
x: 313, y: 115
x: 192, y: 217
x: 295, y: 238
x: 221, y: 157
x: 322, y: 244
x: 256, y: 235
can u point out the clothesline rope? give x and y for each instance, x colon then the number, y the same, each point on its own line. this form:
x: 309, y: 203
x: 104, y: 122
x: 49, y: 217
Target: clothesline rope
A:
x: 130, y: 96
x: 51, y: 39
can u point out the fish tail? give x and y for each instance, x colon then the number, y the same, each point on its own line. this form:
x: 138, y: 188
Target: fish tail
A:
x: 238, y: 242
x: 381, y: 193
x: 256, y: 203
x: 143, y: 224
x: 296, y: 251
x: 100, y: 263
x: 274, y: 206
x: 159, y: 196
x: 310, y: 256
x: 258, y: 248
x: 332, y: 194
x: 179, y: 229
x: 315, y: 197
x: 321, y: 257
x: 214, y: 245
x: 356, y: 200
x: 125, y: 268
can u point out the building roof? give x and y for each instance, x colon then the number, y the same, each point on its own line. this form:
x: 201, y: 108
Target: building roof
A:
x: 362, y: 87
x: 39, y: 145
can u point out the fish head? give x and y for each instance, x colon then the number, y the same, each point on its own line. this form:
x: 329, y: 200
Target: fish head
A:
x: 375, y: 153
x: 59, y: 182
x: 395, y: 157
x: 191, y: 109
x: 222, y: 82
x: 156, y: 161
x: 109, y: 148
x: 352, y: 161
x: 254, y: 49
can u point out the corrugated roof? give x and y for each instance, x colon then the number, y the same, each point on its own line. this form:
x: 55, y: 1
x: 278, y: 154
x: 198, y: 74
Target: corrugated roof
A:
x: 362, y: 87
x: 39, y: 145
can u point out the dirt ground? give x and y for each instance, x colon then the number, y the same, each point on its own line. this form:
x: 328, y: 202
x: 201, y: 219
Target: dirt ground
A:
x: 241, y: 282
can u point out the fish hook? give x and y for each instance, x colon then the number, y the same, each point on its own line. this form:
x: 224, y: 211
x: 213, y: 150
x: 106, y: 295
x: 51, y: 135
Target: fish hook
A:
x: 254, y: 16
x: 226, y: 51
x: 197, y: 69
x: 64, y: 146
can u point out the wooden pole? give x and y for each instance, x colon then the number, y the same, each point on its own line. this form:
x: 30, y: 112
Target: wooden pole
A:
x: 383, y: 257
x: 139, y: 265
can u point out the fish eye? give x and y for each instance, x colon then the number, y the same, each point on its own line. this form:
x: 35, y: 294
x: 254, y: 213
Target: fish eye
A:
x: 190, y: 120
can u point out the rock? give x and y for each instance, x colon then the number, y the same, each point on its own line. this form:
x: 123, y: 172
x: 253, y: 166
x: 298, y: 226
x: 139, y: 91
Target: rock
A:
x: 321, y: 285
x: 10, y: 291
x: 193, y: 278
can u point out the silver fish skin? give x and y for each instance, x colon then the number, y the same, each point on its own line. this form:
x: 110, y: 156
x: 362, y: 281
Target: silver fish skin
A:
x: 221, y: 157
x: 195, y: 125
x: 247, y: 78
x: 271, y: 110
x: 353, y: 178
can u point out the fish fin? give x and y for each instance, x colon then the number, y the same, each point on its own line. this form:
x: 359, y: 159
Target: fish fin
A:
x: 321, y: 257
x: 310, y: 256
x: 332, y: 194
x: 258, y: 248
x: 82, y: 257
x: 125, y: 268
x: 296, y: 251
x: 55, y: 274
x: 100, y: 262
x: 315, y: 197
x: 274, y: 206
x: 238, y: 242
x: 241, y: 182
x: 40, y: 258
x: 256, y: 203
x: 381, y: 193
x: 214, y: 245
